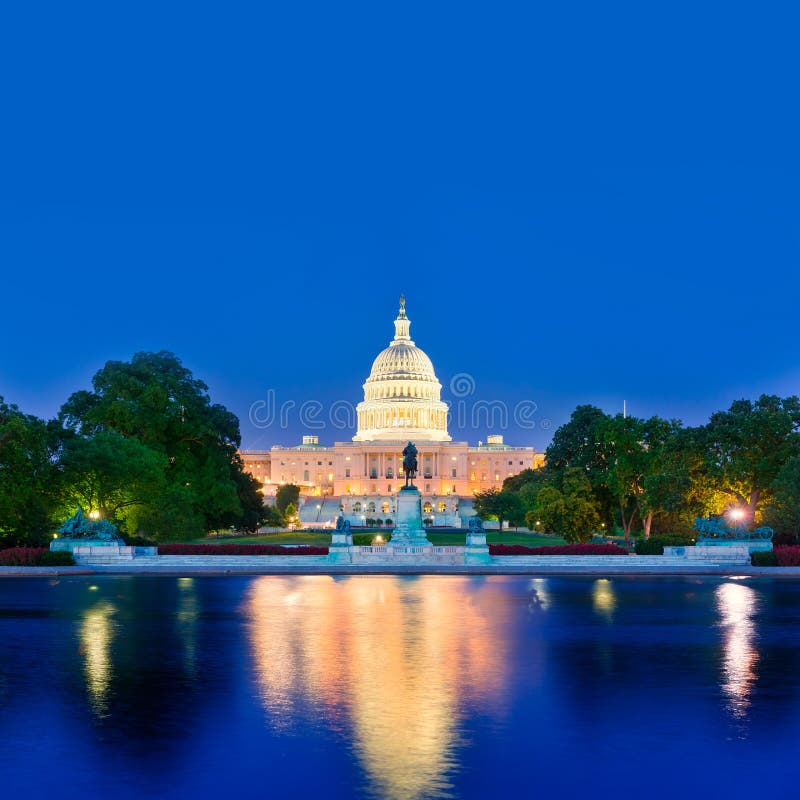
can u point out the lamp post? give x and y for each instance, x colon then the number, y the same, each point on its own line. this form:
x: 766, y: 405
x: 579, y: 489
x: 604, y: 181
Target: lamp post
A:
x: 737, y: 515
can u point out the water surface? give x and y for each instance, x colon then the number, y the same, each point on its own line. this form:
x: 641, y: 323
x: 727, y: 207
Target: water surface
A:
x: 399, y: 687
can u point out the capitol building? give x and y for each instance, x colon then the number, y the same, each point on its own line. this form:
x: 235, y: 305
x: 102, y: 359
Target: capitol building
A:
x: 402, y: 402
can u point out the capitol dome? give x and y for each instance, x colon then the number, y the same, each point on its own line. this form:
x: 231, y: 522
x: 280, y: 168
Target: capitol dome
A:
x: 402, y: 396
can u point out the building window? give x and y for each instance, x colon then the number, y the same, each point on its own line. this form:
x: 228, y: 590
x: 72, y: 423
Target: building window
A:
x: 483, y: 476
x: 497, y: 476
x: 356, y: 508
x: 510, y: 463
x: 385, y: 507
x: 442, y: 508
x: 454, y: 471
x: 373, y: 473
x: 521, y: 463
x: 472, y: 476
x: 371, y: 507
x: 427, y: 508
x: 305, y: 476
x: 347, y: 472
x: 427, y: 487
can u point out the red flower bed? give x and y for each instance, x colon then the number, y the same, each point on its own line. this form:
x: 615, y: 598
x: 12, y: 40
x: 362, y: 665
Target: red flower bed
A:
x: 787, y: 555
x: 22, y: 556
x: 558, y: 550
x: 238, y: 550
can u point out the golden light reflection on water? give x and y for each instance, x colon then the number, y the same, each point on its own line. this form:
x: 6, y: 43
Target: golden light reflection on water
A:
x: 603, y: 598
x: 186, y: 620
x: 396, y: 659
x: 737, y: 605
x: 96, y: 634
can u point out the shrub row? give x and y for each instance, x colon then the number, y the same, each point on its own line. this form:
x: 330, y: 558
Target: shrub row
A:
x: 787, y: 555
x: 239, y: 550
x: 35, y: 557
x: 764, y: 558
x: 557, y: 550
x: 654, y: 546
x: 780, y: 556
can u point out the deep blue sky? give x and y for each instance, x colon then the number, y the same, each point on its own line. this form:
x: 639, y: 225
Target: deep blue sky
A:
x: 582, y: 202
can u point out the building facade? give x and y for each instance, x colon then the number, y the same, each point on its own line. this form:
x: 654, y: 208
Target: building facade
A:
x: 402, y: 402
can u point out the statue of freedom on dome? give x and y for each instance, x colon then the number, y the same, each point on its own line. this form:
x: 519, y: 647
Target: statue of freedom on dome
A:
x: 410, y: 464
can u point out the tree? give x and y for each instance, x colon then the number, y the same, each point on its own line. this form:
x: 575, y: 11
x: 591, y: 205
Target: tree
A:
x: 496, y: 503
x: 28, y: 477
x: 157, y: 401
x: 527, y: 483
x: 287, y: 494
x: 251, y: 499
x: 290, y: 514
x: 744, y: 449
x: 581, y: 444
x: 572, y: 512
x: 678, y: 490
x: 783, y: 511
x: 550, y: 511
x: 636, y: 449
x: 110, y: 473
x: 272, y: 517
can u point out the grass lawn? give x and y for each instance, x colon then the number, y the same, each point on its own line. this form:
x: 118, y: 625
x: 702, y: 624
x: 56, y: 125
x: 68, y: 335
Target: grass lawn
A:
x: 324, y: 539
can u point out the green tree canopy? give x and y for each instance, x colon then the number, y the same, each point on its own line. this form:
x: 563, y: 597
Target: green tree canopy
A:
x: 572, y: 512
x: 155, y: 400
x: 109, y: 473
x: 637, y: 450
x: 504, y: 505
x: 28, y: 477
x: 744, y: 449
x: 287, y: 494
x: 581, y: 444
x: 783, y: 509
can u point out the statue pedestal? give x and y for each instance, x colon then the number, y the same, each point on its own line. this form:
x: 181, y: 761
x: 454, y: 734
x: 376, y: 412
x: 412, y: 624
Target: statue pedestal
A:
x: 339, y: 549
x: 476, y: 551
x: 409, y: 531
x: 112, y: 546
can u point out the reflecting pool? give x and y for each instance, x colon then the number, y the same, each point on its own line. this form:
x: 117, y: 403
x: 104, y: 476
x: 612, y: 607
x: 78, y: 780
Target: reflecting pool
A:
x: 399, y: 687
